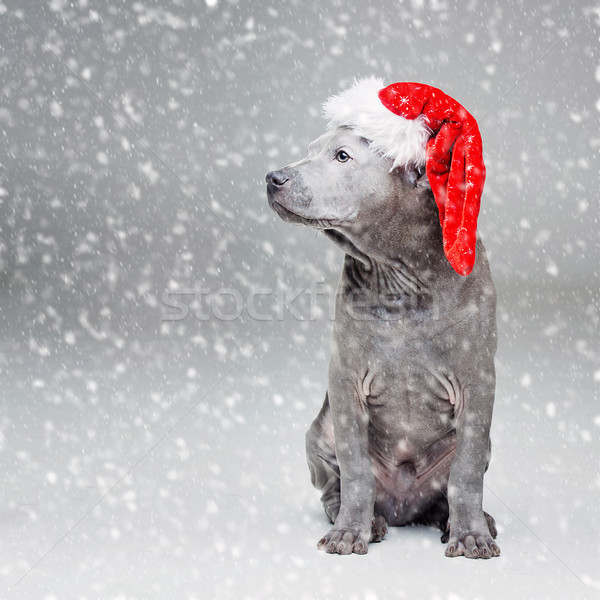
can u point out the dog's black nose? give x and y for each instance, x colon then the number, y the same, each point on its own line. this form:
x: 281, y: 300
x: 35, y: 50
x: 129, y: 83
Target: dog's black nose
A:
x: 276, y: 178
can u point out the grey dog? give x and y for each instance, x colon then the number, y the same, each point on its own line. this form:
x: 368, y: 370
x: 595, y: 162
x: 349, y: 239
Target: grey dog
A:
x: 403, y: 435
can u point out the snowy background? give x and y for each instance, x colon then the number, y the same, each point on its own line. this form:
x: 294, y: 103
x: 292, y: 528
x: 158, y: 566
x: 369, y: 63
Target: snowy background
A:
x: 145, y: 455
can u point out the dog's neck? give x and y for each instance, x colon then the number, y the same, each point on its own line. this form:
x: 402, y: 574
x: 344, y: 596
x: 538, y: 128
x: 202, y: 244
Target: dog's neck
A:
x: 406, y: 273
x: 388, y: 281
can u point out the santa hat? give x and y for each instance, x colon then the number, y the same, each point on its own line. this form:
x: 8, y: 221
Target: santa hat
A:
x: 416, y: 124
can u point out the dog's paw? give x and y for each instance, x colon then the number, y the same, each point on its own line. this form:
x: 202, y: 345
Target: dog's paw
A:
x: 340, y: 540
x: 378, y: 529
x: 491, y: 523
x: 472, y: 544
x: 344, y: 541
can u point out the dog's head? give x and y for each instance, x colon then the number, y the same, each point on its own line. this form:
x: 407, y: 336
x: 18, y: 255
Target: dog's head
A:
x: 351, y: 192
x: 349, y: 183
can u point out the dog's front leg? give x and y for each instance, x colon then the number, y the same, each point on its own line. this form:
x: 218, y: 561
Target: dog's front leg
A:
x: 469, y: 532
x: 353, y: 525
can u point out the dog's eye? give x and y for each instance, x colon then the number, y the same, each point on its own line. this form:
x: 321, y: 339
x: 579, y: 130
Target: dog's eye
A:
x: 342, y: 156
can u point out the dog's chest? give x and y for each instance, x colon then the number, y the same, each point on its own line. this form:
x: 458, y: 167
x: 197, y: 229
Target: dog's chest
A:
x: 398, y: 368
x: 412, y: 400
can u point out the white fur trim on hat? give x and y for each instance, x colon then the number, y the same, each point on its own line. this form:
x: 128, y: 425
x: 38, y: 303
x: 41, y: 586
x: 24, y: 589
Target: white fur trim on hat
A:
x: 360, y: 109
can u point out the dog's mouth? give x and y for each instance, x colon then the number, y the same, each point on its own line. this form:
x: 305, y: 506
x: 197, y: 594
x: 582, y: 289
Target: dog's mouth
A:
x: 329, y: 227
x: 291, y: 217
x: 285, y: 213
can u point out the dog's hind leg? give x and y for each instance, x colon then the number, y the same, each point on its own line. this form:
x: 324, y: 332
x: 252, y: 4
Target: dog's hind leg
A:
x: 322, y: 461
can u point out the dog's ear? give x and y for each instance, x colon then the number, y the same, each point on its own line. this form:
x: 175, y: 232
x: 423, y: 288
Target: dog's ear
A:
x: 414, y: 176
x: 422, y: 181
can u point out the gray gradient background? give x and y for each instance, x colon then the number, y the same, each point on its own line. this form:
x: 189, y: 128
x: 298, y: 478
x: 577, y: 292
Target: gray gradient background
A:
x: 143, y: 457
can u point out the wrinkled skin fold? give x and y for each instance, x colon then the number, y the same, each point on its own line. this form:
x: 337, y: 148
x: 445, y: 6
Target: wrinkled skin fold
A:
x: 403, y: 434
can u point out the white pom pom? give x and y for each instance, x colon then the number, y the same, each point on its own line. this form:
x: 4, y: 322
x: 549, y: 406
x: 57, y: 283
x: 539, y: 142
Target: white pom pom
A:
x: 359, y: 108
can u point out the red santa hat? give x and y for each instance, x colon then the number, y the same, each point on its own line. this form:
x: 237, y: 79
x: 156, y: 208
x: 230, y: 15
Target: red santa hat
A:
x: 416, y: 124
